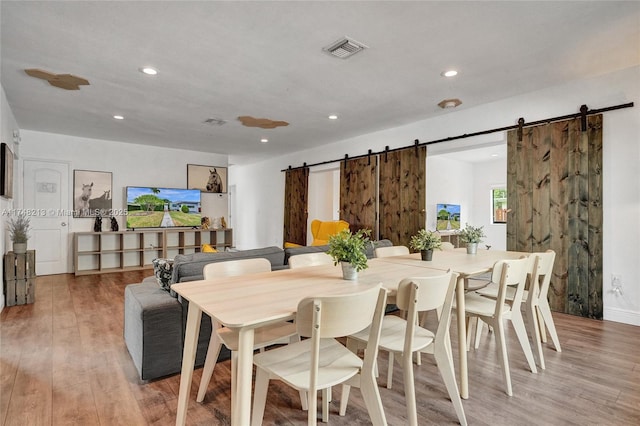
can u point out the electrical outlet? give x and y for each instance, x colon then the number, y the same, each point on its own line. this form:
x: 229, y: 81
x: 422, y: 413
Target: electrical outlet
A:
x: 616, y: 281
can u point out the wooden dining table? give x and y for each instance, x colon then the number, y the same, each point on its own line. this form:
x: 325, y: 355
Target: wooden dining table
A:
x: 250, y: 301
x: 466, y: 266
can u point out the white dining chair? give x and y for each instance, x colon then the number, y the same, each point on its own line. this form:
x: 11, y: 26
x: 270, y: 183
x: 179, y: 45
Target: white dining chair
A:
x: 319, y: 362
x: 310, y: 259
x: 534, y: 300
x: 544, y: 310
x: 391, y: 251
x: 402, y: 336
x: 446, y: 245
x: 280, y: 332
x: 494, y: 311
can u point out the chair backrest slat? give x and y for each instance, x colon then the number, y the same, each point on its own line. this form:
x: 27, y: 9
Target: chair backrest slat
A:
x: 545, y: 270
x: 337, y: 315
x: 310, y: 259
x: 511, y: 273
x: 391, y: 251
x: 232, y: 268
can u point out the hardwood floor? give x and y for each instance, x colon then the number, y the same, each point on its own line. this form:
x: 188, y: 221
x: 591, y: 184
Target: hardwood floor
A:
x: 63, y: 361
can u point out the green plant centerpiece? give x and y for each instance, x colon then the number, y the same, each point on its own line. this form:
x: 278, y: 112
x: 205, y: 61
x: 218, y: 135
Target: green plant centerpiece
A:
x: 425, y: 241
x: 471, y: 235
x: 19, y: 233
x: 351, y: 250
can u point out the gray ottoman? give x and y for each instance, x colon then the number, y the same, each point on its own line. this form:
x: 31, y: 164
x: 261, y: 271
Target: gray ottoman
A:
x: 152, y: 329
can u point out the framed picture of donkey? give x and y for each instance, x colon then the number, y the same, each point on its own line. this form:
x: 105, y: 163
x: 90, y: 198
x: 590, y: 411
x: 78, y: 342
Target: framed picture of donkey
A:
x: 207, y: 178
x: 91, y: 193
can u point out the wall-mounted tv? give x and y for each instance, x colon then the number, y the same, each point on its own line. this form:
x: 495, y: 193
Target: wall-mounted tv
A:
x: 149, y: 207
x: 448, y: 216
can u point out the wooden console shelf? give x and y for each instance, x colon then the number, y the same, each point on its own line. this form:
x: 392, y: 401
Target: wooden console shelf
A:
x: 103, y: 252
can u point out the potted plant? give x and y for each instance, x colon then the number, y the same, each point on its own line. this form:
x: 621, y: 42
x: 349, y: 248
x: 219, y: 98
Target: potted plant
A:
x: 350, y: 250
x: 472, y: 236
x: 19, y: 233
x: 426, y: 242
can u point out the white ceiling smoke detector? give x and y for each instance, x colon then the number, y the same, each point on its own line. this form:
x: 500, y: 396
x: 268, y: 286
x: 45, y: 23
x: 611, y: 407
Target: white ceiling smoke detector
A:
x: 344, y: 47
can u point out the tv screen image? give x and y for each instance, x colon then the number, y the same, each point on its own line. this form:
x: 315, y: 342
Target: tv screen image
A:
x: 448, y: 217
x: 149, y: 207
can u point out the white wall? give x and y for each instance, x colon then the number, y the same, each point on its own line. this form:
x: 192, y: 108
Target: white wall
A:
x: 324, y: 197
x: 621, y: 180
x: 449, y: 182
x: 486, y: 176
x: 7, y: 126
x: 130, y: 165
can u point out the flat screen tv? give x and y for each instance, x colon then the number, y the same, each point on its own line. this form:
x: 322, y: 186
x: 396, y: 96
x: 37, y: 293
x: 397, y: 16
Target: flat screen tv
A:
x: 448, y: 217
x: 149, y: 207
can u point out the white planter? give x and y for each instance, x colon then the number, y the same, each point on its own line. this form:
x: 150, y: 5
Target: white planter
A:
x: 19, y: 248
x: 472, y: 248
x: 349, y: 272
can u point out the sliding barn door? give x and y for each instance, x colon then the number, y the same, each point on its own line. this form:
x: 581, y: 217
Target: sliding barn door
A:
x: 358, y: 194
x: 402, y: 194
x: 554, y: 181
x: 296, y: 194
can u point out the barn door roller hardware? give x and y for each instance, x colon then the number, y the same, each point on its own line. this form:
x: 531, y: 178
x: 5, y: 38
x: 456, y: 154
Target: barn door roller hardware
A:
x: 584, y: 111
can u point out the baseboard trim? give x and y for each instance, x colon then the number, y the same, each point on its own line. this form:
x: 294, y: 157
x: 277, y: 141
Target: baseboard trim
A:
x: 622, y: 315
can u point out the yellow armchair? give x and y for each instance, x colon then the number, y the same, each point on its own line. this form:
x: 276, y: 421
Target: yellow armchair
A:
x: 321, y: 230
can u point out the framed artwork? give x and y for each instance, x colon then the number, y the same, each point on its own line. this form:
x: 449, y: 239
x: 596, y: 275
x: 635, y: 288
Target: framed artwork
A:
x: 207, y: 178
x: 6, y: 171
x: 91, y: 193
x: 448, y: 217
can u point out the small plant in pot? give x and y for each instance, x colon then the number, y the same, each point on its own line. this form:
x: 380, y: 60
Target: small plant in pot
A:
x: 350, y: 250
x: 19, y: 232
x: 426, y: 242
x: 472, y: 236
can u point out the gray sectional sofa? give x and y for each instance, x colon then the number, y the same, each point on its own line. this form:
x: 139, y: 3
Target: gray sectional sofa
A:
x: 155, y: 319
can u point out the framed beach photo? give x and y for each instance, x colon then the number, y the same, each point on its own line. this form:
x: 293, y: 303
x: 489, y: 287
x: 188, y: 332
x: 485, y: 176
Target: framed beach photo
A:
x: 211, y: 179
x: 92, y: 193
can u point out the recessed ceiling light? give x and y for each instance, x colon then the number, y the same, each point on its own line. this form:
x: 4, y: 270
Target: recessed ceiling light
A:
x: 494, y: 155
x: 449, y: 103
x: 118, y: 117
x: 149, y: 71
x: 449, y: 73
x: 333, y: 117
x: 263, y: 140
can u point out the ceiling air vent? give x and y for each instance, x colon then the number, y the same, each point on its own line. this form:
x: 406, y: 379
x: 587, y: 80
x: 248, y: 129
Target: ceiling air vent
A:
x: 344, y: 47
x: 214, y: 121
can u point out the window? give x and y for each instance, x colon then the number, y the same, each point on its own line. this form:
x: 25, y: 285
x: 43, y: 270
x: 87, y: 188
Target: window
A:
x: 499, y: 203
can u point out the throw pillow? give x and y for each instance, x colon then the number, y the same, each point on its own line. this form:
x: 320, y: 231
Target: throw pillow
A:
x: 207, y: 248
x: 163, y: 269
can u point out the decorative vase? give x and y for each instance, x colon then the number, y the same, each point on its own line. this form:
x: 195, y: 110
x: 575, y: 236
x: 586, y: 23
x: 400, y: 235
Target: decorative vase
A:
x: 19, y: 248
x: 472, y: 248
x: 349, y: 272
x: 426, y: 254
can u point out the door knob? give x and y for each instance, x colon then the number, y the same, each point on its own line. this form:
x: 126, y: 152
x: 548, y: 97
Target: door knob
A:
x: 63, y: 224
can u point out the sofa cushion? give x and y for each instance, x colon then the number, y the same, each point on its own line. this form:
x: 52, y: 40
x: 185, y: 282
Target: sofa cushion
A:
x: 208, y: 248
x: 189, y: 267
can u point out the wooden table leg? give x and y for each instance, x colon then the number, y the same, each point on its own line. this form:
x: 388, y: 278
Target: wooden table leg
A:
x: 462, y: 338
x: 242, y: 408
x: 194, y: 316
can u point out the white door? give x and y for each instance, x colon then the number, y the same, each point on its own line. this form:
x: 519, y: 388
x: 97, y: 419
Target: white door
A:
x: 46, y: 200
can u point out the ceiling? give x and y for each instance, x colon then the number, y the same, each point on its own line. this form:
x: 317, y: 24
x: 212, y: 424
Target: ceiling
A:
x: 223, y: 60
